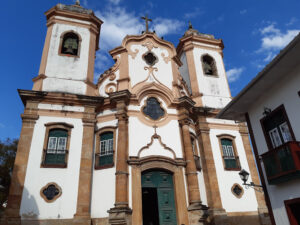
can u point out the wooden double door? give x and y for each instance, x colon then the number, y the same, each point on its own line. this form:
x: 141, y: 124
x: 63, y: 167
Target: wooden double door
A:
x: 158, y: 198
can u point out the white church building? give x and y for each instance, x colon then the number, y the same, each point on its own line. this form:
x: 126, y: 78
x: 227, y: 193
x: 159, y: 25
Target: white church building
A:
x: 142, y: 145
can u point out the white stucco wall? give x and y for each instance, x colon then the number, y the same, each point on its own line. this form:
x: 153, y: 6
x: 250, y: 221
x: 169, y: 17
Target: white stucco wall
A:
x: 33, y: 205
x: 286, y: 93
x: 109, y: 83
x: 140, y: 135
x: 137, y: 72
x: 67, y: 73
x: 227, y: 179
x: 184, y: 71
x: 215, y: 90
x: 104, y: 182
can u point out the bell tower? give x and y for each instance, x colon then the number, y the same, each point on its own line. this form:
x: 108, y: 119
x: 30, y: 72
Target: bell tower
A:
x: 203, y: 68
x: 67, y: 63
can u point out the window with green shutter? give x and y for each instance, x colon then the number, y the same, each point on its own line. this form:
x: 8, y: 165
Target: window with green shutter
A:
x: 229, y: 157
x: 106, y: 149
x: 56, y: 151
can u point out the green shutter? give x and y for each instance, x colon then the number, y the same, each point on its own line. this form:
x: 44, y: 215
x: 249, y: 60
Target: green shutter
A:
x: 54, y: 158
x: 106, y: 136
x: 226, y: 142
x: 230, y: 163
x: 58, y: 133
x: 106, y: 160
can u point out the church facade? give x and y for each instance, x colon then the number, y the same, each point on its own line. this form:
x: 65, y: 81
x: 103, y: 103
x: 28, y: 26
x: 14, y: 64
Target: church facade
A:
x: 142, y: 146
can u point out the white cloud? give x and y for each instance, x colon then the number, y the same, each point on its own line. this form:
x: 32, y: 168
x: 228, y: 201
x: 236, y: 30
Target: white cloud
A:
x: 270, y: 29
x: 273, y: 39
x: 244, y: 11
x: 269, y: 56
x: 193, y: 14
x: 234, y: 74
x: 292, y: 21
x: 279, y: 40
x: 164, y: 26
x: 115, y: 2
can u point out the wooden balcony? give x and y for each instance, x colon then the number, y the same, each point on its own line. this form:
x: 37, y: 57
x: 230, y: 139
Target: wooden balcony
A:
x: 282, y: 163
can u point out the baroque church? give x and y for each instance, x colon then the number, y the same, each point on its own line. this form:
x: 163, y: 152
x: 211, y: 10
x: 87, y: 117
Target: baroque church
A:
x: 142, y: 146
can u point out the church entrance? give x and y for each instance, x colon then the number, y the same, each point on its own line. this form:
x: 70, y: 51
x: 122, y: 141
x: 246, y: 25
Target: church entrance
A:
x: 158, y: 198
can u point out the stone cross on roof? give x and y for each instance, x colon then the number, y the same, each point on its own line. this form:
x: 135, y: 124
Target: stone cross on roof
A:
x: 147, y: 20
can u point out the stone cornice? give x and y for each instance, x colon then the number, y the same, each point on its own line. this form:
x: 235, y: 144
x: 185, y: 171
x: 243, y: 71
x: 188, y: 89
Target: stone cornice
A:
x: 139, y: 161
x: 59, y: 98
x: 186, y: 102
x: 193, y: 38
x: 123, y: 95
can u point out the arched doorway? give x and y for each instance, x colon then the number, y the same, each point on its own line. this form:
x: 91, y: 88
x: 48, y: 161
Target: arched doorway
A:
x: 158, y: 202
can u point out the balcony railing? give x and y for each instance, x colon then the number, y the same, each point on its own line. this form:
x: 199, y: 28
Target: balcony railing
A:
x: 282, y: 163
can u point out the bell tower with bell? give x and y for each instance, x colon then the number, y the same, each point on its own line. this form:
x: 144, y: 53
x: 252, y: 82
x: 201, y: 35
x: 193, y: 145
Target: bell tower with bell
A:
x: 203, y: 68
x: 67, y: 63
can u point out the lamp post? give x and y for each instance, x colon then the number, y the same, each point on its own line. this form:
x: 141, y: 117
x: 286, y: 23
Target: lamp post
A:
x: 244, y: 175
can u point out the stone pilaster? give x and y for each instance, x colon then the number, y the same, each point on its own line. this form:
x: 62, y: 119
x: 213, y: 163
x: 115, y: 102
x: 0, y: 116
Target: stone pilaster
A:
x: 217, y: 213
x: 121, y: 213
x: 86, y: 164
x: 197, y: 212
x: 262, y: 208
x: 12, y: 212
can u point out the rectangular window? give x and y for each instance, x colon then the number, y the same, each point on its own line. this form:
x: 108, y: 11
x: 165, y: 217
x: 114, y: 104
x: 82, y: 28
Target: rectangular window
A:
x: 229, y: 157
x: 106, y: 147
x: 286, y: 135
x: 52, y: 145
x: 105, y: 156
x: 276, y: 127
x: 275, y: 138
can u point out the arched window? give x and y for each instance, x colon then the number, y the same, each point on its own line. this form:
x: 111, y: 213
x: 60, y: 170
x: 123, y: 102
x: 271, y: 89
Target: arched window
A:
x: 196, y: 152
x: 56, y: 145
x: 105, y: 148
x: 209, y: 66
x: 70, y: 44
x: 229, y: 153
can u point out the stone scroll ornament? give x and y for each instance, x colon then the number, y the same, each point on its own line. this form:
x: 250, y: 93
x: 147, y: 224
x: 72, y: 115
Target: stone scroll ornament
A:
x: 51, y: 192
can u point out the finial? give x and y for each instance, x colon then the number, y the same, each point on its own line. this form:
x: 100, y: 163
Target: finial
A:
x: 77, y: 2
x: 190, y: 25
x: 147, y: 20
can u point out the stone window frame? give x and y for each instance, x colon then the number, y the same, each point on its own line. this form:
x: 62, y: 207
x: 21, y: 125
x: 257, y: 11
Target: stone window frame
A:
x: 197, y: 151
x: 242, y: 193
x: 56, y: 197
x: 61, y: 43
x: 52, y: 126
x: 214, y: 66
x: 154, y: 62
x: 97, y: 148
x: 232, y: 138
x: 160, y: 104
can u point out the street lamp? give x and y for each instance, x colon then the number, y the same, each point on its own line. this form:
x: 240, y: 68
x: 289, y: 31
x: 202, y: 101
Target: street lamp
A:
x: 244, y: 175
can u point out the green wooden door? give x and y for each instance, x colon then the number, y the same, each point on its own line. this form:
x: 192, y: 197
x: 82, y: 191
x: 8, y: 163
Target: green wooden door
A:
x: 163, y: 183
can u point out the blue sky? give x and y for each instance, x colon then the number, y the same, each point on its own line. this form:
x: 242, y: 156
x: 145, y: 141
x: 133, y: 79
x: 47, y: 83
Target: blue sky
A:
x: 253, y: 32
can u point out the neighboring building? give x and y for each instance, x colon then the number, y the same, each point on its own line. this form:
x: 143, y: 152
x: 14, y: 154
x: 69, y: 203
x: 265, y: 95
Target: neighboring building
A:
x: 270, y: 104
x: 142, y: 146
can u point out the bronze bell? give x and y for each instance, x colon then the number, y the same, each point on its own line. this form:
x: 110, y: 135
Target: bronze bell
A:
x: 70, y: 45
x: 207, y: 68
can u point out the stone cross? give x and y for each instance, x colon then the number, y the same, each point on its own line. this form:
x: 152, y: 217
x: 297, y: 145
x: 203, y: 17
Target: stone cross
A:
x: 147, y: 20
x: 154, y: 129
